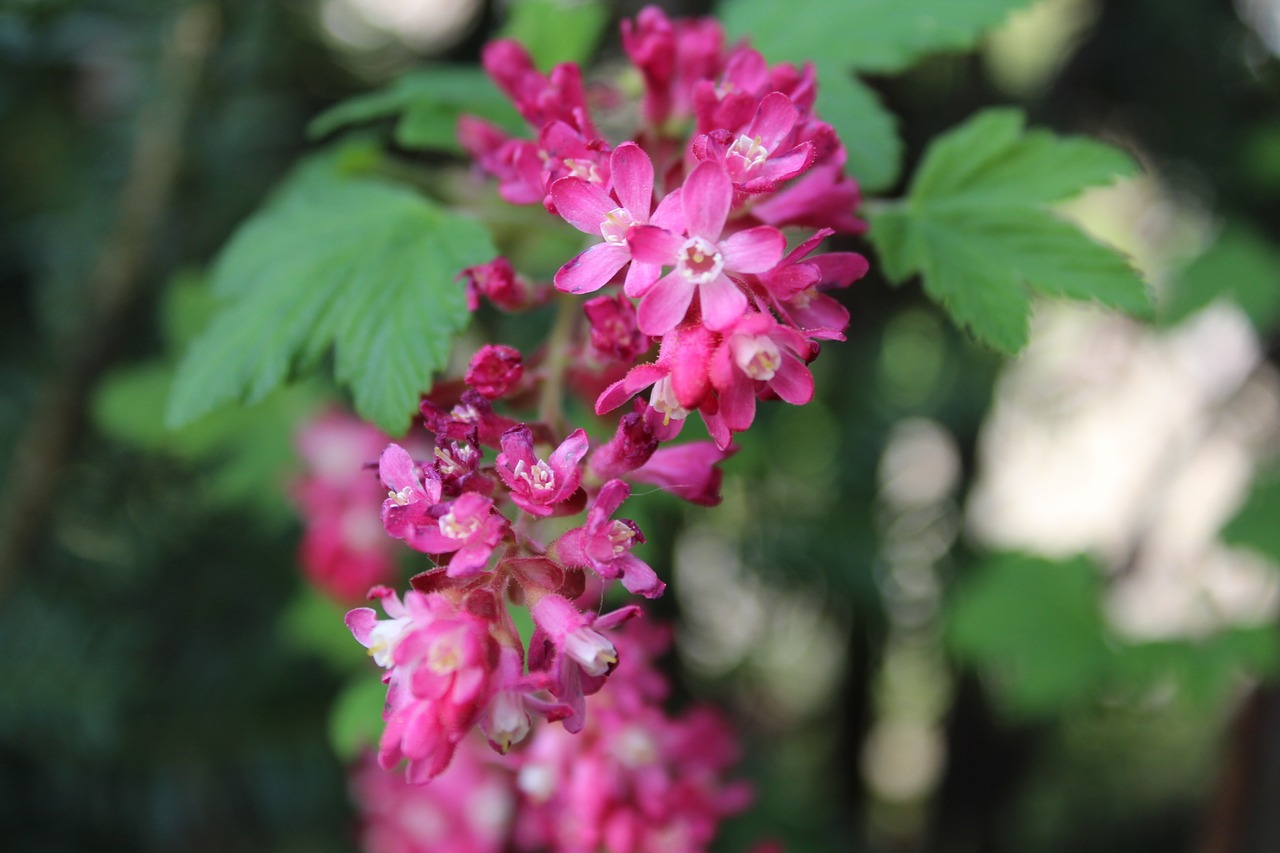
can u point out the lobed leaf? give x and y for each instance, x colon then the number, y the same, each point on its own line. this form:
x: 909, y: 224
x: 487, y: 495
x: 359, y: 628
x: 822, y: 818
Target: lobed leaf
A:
x: 555, y: 31
x: 1242, y: 266
x: 882, y: 36
x: 354, y: 266
x: 876, y: 36
x: 428, y: 103
x: 977, y: 226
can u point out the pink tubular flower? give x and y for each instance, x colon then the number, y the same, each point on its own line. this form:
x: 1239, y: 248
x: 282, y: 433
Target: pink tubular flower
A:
x: 539, y: 100
x: 568, y: 645
x: 761, y: 157
x: 701, y: 260
x: 494, y: 370
x: 585, y: 205
x: 469, y: 811
x: 468, y: 527
x: 413, y: 491
x: 604, y: 544
x: 344, y: 549
x: 672, y: 57
x: 497, y: 281
x: 614, y: 333
x: 688, y: 471
x: 438, y: 660
x: 757, y: 353
x: 634, y: 779
x: 537, y: 486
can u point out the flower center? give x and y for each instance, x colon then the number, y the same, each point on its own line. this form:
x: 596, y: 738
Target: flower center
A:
x: 445, y: 656
x: 664, y: 400
x: 757, y: 356
x: 620, y: 536
x: 699, y: 261
x: 745, y: 156
x: 585, y: 169
x: 540, y: 477
x: 615, y: 226
x: 456, y: 528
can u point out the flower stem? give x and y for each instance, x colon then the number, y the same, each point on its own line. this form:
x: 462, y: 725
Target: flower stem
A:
x: 550, y: 400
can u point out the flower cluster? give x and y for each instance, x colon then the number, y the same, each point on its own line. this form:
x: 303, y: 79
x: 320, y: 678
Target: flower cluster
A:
x: 634, y: 779
x: 688, y: 260
x: 344, y: 550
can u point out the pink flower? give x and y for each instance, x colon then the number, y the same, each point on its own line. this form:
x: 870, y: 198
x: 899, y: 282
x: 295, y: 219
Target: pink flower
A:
x: 469, y: 811
x: 680, y: 378
x: 762, y: 156
x: 413, y: 490
x: 604, y: 544
x: 439, y: 660
x: 537, y: 486
x: 758, y: 353
x: 672, y: 57
x: 614, y: 333
x: 702, y: 262
x: 586, y: 206
x: 497, y: 281
x: 568, y: 645
x: 494, y: 370
x: 539, y: 100
x: 468, y: 528
x: 688, y: 471
x: 344, y: 549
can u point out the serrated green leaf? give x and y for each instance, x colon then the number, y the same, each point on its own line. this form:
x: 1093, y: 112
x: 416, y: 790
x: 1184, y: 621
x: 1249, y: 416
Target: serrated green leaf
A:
x: 1035, y: 626
x: 355, y: 266
x: 867, y: 129
x: 976, y: 224
x: 876, y: 36
x: 1241, y: 265
x: 882, y: 36
x: 555, y: 31
x: 428, y: 102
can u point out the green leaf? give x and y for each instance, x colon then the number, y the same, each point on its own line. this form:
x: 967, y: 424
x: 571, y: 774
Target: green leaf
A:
x: 428, y: 102
x: 976, y: 224
x: 355, y: 721
x: 556, y: 31
x: 882, y: 36
x: 1241, y: 265
x: 1257, y: 523
x: 359, y: 267
x: 1035, y: 626
x: 868, y: 130
x: 874, y: 36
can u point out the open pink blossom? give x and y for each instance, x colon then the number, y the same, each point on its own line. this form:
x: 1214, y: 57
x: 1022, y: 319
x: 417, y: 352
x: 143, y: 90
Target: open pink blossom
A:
x: 439, y: 661
x: 761, y: 156
x: 701, y: 261
x: 758, y: 353
x: 413, y: 491
x: 467, y: 528
x: 604, y: 544
x: 537, y: 486
x: 568, y: 644
x: 585, y: 205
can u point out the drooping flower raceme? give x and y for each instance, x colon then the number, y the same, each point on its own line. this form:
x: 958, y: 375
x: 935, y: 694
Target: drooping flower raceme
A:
x: 682, y: 250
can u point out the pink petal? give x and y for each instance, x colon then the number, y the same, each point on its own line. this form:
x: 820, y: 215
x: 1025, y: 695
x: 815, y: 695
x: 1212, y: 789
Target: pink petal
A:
x: 396, y: 468
x: 582, y: 204
x: 640, y: 277
x: 738, y: 404
x: 593, y: 269
x: 755, y: 250
x: 774, y: 119
x: 793, y: 382
x: 651, y: 245
x: 633, y: 180
x: 665, y: 305
x: 706, y: 197
x: 722, y: 304
x: 670, y: 212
